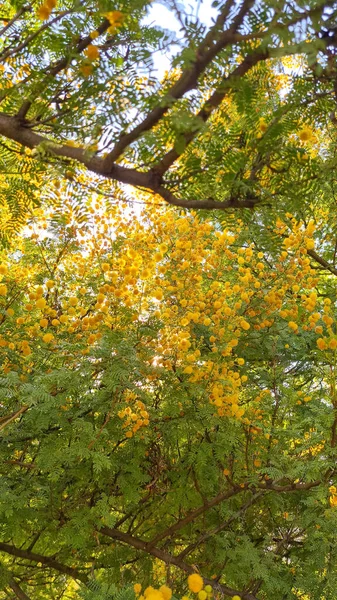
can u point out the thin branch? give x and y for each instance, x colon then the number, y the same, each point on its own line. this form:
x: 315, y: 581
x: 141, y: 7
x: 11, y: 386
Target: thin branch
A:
x: 53, y: 70
x: 34, y: 35
x: 321, y: 261
x: 8, y: 419
x: 18, y: 591
x: 206, y: 536
x: 17, y: 16
x: 193, y: 514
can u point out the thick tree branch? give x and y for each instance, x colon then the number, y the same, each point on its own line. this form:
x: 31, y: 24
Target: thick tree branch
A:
x: 208, y: 204
x: 205, y: 53
x: 213, y: 43
x: 214, y: 102
x: 11, y: 128
x: 45, y: 560
x: 169, y: 559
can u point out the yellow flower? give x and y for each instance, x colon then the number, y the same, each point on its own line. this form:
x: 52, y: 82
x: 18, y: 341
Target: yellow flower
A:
x: 262, y: 125
x: 43, y: 12
x: 115, y: 18
x: 41, y: 303
x: 166, y: 592
x: 92, y: 52
x: 137, y: 588
x: 48, y: 337
x: 305, y: 134
x: 148, y: 590
x: 321, y: 344
x: 195, y: 583
x: 86, y: 70
x: 155, y: 595
x: 333, y: 501
x: 244, y: 325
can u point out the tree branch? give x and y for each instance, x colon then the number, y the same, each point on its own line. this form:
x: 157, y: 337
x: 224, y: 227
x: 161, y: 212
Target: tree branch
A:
x: 205, y: 53
x: 193, y: 514
x: 321, y: 261
x: 203, y: 538
x: 45, y: 560
x: 17, y: 590
x: 169, y: 559
x: 4, y: 421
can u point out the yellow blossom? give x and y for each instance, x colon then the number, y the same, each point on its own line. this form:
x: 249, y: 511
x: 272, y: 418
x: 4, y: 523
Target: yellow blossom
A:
x: 195, y: 583
x: 92, y: 52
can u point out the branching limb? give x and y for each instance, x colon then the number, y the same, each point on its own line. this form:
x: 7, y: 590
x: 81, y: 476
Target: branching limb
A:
x: 45, y: 560
x: 169, y: 559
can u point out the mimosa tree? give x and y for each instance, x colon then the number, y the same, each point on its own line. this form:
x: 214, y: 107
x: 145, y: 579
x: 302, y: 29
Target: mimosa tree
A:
x: 168, y: 374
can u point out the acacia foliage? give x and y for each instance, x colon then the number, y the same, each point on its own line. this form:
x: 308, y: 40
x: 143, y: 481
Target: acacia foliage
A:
x: 168, y: 397
x: 80, y: 92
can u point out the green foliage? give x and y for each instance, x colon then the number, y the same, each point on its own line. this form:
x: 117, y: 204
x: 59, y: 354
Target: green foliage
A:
x: 117, y: 463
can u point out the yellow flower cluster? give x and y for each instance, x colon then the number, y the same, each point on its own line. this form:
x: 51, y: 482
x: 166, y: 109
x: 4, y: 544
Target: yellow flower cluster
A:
x: 135, y: 417
x: 116, y: 19
x: 150, y: 593
x: 333, y: 497
x: 195, y: 584
x: 204, y: 292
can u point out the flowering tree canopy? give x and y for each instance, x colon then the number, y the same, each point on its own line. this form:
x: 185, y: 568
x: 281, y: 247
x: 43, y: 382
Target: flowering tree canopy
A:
x: 168, y: 374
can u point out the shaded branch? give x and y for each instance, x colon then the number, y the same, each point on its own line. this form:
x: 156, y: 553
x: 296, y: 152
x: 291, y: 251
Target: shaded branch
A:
x: 4, y: 421
x: 17, y: 590
x: 169, y: 559
x: 204, y: 54
x: 208, y: 534
x: 17, y: 16
x: 45, y: 560
x: 321, y: 261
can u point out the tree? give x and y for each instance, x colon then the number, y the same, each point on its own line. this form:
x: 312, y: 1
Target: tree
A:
x: 79, y: 90
x: 168, y: 384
